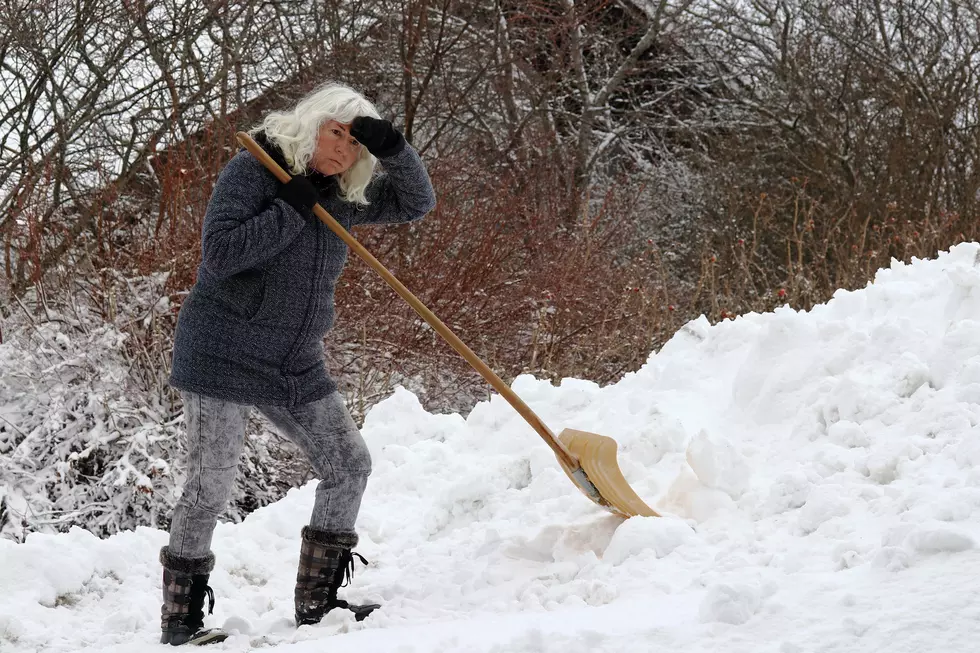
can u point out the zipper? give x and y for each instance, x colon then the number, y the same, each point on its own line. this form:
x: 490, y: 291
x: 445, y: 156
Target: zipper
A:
x: 312, y: 306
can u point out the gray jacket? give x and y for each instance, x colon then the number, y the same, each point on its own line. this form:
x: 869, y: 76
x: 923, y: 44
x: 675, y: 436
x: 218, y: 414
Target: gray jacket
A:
x: 251, y: 330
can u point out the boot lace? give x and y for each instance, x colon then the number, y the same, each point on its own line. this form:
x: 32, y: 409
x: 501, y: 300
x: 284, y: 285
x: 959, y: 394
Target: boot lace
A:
x: 195, y: 615
x: 346, y: 566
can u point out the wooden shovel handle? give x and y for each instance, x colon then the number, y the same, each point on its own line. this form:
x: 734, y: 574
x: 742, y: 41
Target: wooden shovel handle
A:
x: 564, y: 455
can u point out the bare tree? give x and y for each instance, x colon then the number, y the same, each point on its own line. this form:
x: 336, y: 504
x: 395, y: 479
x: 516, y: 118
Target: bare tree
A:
x: 93, y: 89
x: 874, y: 101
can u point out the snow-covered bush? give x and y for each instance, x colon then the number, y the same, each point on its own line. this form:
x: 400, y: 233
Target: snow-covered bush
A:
x: 89, y: 433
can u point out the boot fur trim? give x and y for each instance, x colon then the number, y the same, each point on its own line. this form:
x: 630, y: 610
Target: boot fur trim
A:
x: 328, y: 538
x: 186, y: 565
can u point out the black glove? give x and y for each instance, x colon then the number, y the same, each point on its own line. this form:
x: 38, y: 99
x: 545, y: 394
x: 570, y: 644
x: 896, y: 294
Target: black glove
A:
x: 300, y: 194
x: 378, y: 136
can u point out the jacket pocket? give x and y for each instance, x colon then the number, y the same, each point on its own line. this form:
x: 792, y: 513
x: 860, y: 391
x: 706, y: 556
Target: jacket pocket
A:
x: 242, y: 294
x: 262, y: 297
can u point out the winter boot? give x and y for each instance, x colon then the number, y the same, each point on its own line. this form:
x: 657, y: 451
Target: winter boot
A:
x: 185, y: 584
x: 326, y: 563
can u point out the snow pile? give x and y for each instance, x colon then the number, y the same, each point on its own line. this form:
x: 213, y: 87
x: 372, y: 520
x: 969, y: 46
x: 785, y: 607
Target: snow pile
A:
x: 820, y: 471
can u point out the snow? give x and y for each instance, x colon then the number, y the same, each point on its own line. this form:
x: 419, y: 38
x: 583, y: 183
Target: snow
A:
x: 818, y: 473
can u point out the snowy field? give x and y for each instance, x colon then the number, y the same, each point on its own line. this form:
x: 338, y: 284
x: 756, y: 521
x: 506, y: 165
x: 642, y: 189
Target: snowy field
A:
x: 820, y: 472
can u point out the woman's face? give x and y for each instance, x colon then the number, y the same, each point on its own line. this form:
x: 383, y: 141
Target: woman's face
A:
x: 336, y: 150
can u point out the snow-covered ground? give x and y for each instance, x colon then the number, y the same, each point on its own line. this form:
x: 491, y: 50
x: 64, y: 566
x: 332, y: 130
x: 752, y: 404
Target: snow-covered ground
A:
x: 820, y: 472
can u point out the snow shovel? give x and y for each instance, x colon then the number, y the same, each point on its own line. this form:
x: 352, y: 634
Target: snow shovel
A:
x: 588, y: 459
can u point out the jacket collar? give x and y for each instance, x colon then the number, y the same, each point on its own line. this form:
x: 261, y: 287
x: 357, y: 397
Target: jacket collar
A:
x: 325, y: 184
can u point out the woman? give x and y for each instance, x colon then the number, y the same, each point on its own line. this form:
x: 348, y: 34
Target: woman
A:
x: 250, y: 335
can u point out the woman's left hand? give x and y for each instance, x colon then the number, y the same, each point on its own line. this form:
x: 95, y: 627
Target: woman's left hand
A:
x: 377, y: 135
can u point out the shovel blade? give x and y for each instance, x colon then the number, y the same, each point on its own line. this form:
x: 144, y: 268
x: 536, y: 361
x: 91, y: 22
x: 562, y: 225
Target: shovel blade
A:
x: 597, y: 456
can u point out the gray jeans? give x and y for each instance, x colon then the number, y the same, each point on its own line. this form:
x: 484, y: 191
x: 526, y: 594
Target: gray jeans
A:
x: 323, y: 429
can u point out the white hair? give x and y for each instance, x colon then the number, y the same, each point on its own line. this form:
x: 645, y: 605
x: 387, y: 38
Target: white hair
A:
x: 296, y: 131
